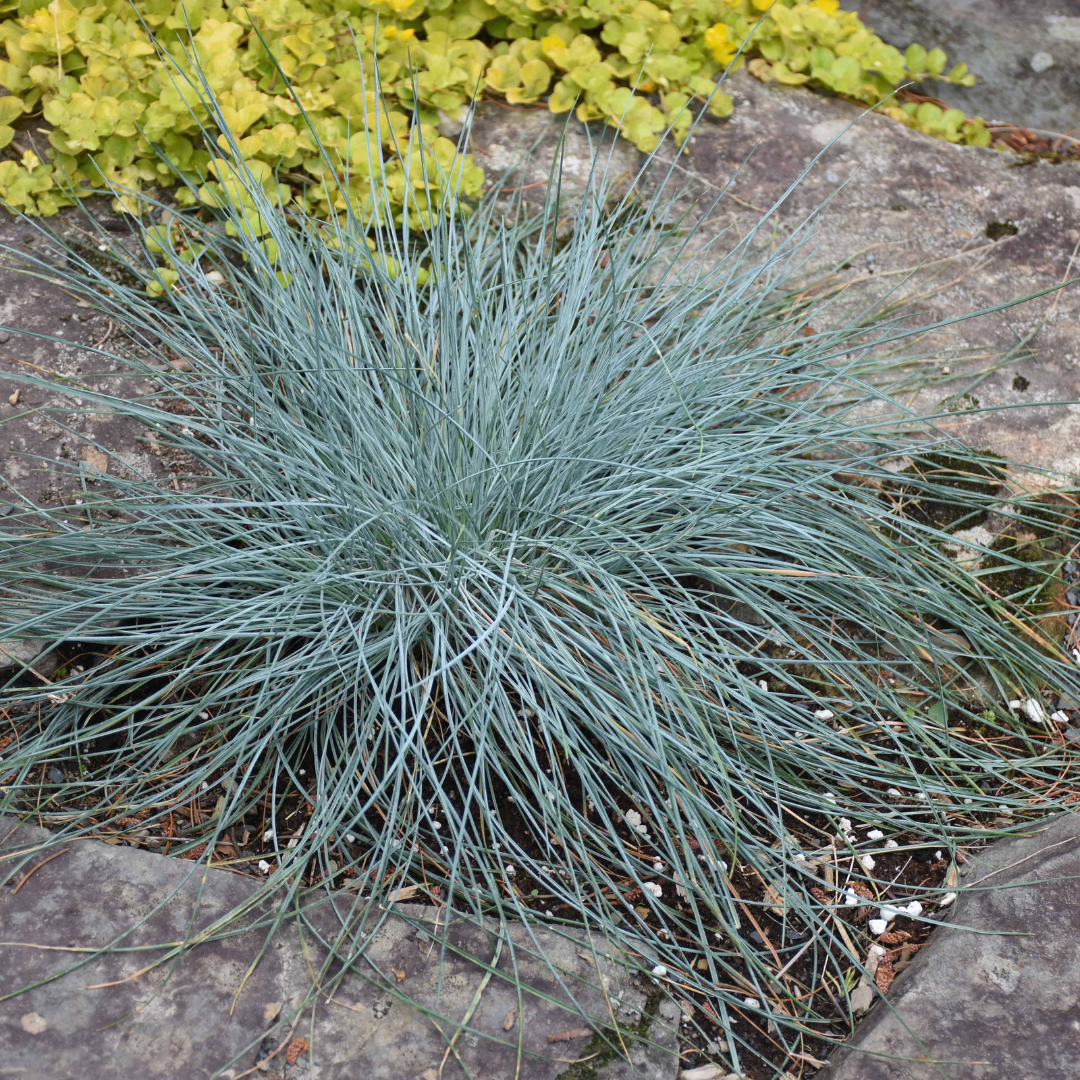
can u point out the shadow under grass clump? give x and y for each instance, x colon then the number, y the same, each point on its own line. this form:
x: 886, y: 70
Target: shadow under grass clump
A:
x: 1024, y: 571
x: 970, y: 484
x: 567, y: 584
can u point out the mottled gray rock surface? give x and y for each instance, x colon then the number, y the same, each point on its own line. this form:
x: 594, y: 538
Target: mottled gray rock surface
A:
x: 47, y: 438
x: 181, y: 1022
x: 1026, y: 54
x: 997, y: 997
x: 898, y: 214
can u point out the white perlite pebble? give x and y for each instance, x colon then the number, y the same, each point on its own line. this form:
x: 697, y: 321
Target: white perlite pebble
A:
x: 824, y: 714
x: 875, y: 834
x: 1041, y: 61
x: 878, y: 926
x: 947, y: 899
x: 868, y: 862
x: 851, y: 898
x: 888, y: 912
x: 659, y: 971
x: 752, y: 1002
x: 655, y: 889
x: 1034, y: 711
x: 264, y: 867
x: 890, y: 844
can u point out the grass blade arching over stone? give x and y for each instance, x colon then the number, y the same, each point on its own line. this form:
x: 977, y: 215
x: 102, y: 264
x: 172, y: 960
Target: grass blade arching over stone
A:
x: 528, y: 563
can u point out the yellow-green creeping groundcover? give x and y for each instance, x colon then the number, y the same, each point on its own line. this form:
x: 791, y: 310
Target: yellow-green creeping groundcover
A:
x: 115, y: 81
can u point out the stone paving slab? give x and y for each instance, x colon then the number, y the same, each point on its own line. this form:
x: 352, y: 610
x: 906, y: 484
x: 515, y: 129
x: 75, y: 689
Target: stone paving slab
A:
x: 997, y: 997
x: 899, y: 214
x: 179, y: 1021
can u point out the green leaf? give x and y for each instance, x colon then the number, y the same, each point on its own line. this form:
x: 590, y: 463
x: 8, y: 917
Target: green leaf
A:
x: 11, y: 108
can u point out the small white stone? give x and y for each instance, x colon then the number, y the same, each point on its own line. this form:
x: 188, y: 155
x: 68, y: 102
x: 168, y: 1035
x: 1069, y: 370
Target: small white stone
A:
x: 891, y: 844
x: 947, y: 899
x: 875, y: 834
x: 888, y: 912
x: 1034, y: 711
x: 215, y: 277
x: 851, y: 898
x: 511, y: 870
x: 1060, y: 717
x: 896, y: 793
x: 436, y: 825
x: 845, y: 825
x: 659, y: 971
x: 823, y: 714
x: 868, y: 862
x: 1015, y: 704
x: 655, y: 889
x: 349, y: 838
x: 829, y: 798
x: 303, y: 772
x: 752, y: 1002
x: 914, y: 909
x: 204, y: 715
x: 967, y: 802
x: 878, y: 926
x: 264, y: 867
x: 658, y: 867
x: 763, y: 684
x: 877, y: 950
x: 1041, y: 61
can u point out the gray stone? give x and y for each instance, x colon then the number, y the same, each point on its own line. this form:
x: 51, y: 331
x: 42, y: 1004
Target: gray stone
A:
x: 48, y: 435
x: 1006, y: 44
x: 898, y: 214
x: 29, y: 652
x: 997, y: 994
x: 205, y: 1016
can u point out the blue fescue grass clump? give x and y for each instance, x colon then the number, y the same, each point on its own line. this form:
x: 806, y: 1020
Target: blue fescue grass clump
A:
x: 542, y: 567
